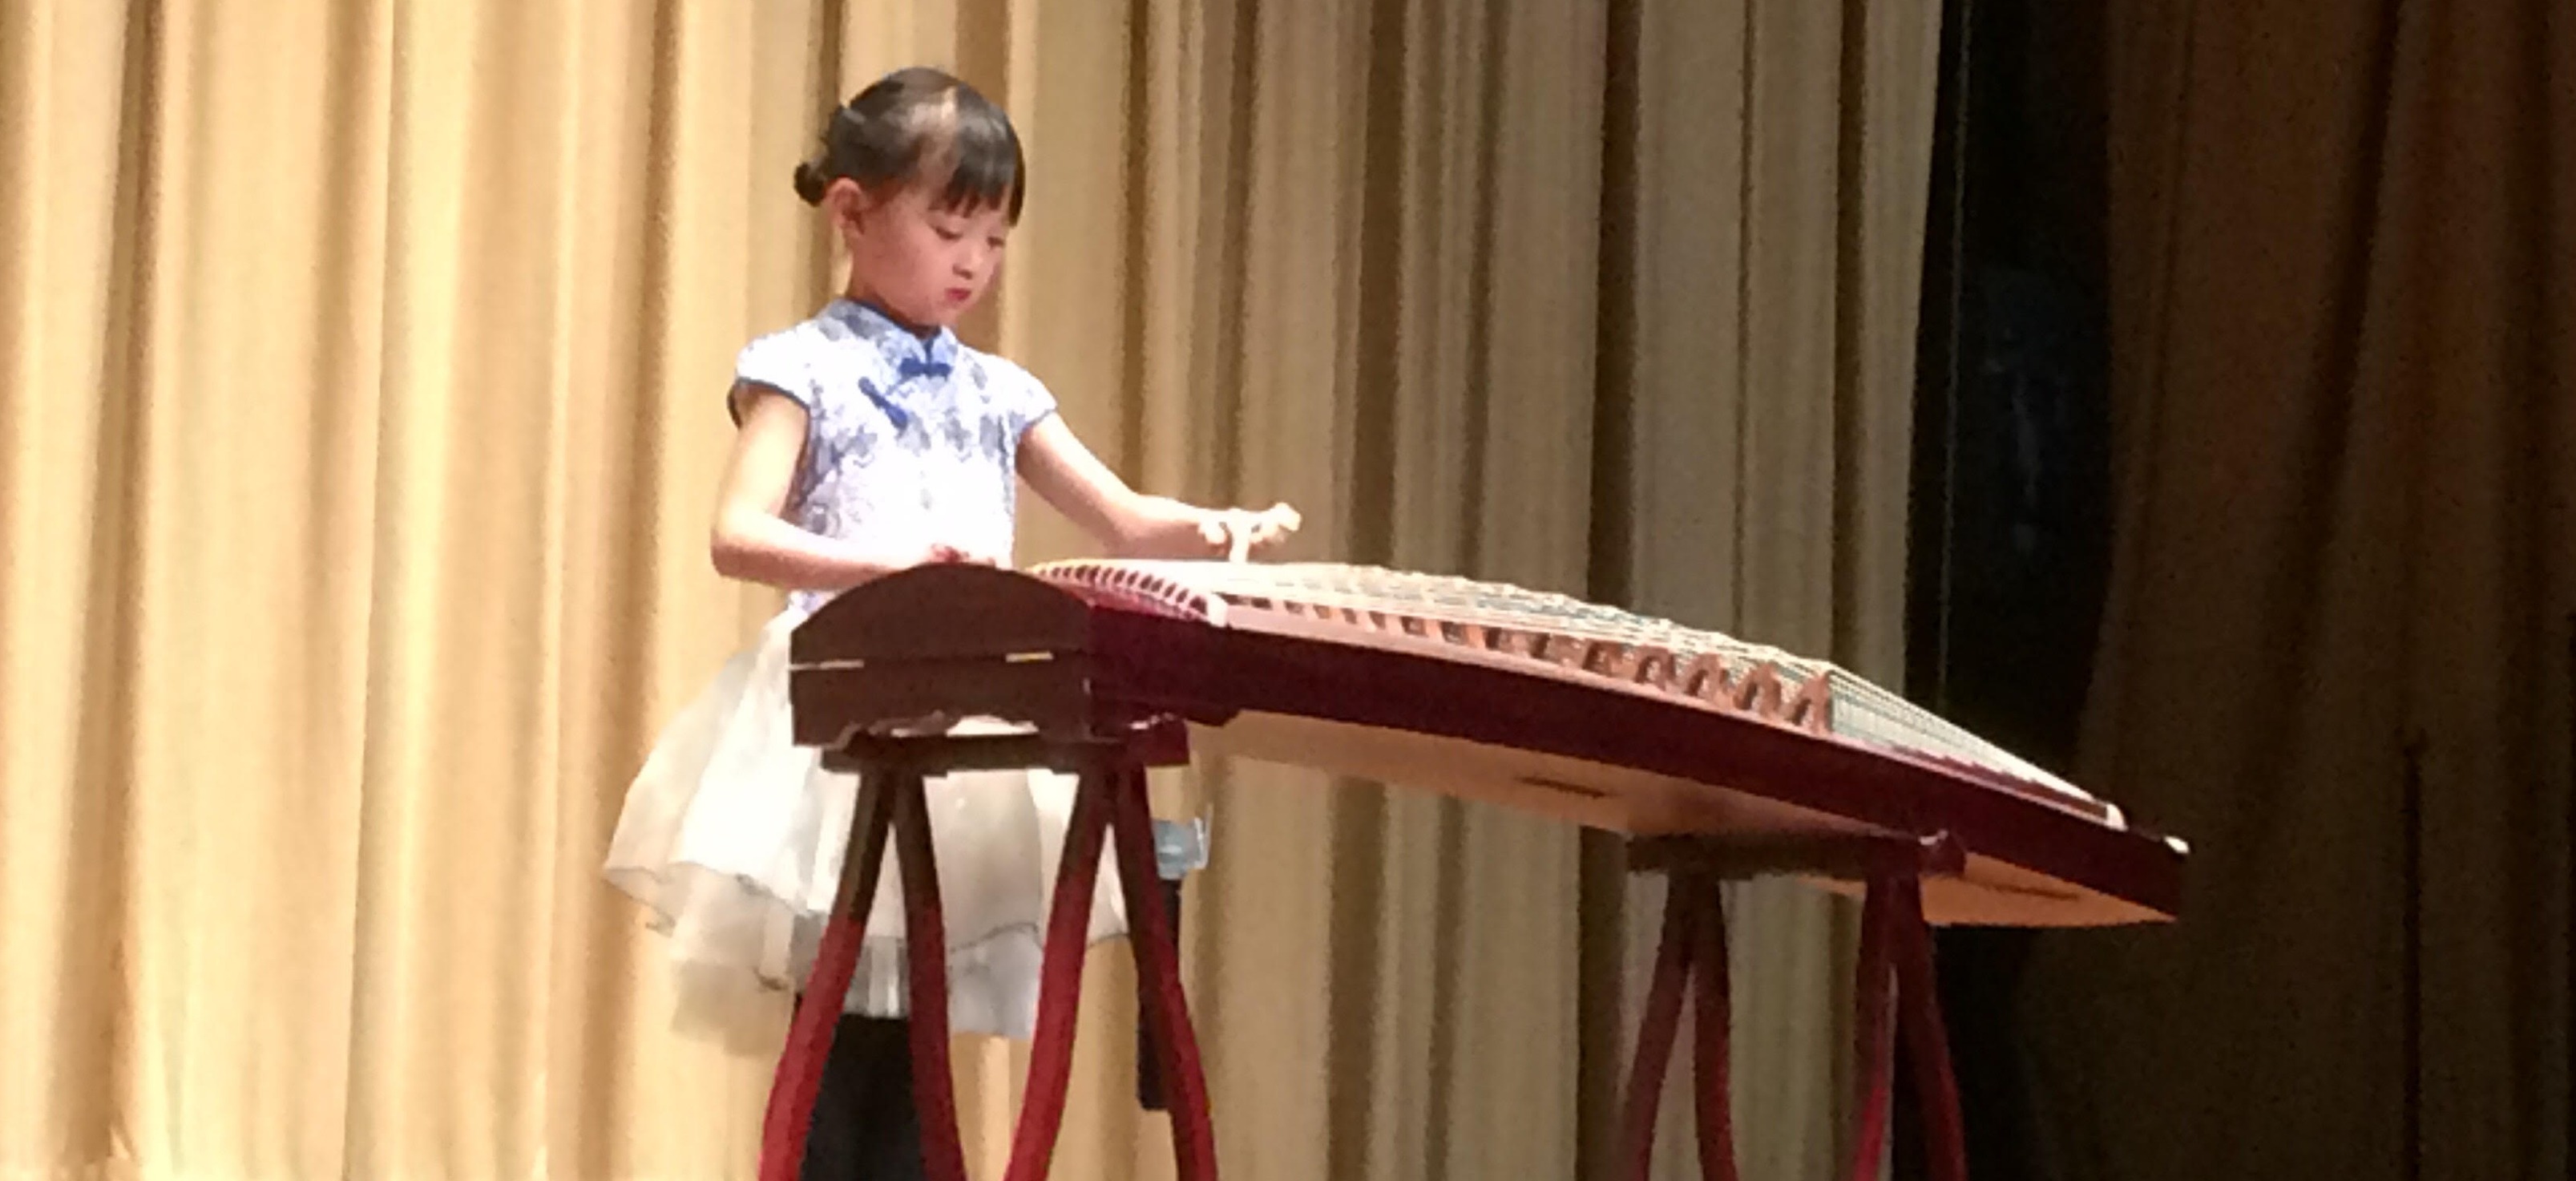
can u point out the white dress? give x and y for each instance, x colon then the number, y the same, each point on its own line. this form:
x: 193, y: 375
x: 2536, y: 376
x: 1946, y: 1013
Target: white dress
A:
x: 732, y: 835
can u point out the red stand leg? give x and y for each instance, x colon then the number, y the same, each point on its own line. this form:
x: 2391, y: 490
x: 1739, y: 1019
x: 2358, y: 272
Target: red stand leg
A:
x: 1713, y: 991
x: 1945, y: 1140
x: 1657, y: 1030
x: 925, y: 939
x: 1691, y: 957
x: 1896, y: 953
x: 1875, y: 1044
x: 799, y: 1073
x: 1060, y: 982
x: 1158, y: 980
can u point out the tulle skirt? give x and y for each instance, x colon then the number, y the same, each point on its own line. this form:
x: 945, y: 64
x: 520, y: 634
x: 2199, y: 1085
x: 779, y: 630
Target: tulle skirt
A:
x: 733, y: 837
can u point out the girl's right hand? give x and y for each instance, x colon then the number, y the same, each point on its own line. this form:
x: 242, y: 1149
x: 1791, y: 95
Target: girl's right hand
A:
x: 1239, y: 533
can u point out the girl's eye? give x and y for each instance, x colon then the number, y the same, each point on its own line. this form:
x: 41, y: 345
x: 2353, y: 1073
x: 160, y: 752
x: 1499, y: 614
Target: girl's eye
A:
x: 946, y: 234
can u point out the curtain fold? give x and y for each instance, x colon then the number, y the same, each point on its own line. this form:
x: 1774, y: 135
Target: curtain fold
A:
x: 2335, y: 651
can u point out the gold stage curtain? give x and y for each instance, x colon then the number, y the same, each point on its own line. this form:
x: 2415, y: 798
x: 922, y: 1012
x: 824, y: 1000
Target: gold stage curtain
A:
x: 2344, y: 336
x: 360, y: 407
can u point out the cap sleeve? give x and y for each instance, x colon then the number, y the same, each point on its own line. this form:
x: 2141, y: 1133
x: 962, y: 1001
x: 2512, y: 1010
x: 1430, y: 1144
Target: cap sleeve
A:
x: 781, y: 361
x: 1026, y: 401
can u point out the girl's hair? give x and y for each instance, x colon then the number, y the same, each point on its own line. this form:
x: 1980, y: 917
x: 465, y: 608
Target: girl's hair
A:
x: 912, y: 125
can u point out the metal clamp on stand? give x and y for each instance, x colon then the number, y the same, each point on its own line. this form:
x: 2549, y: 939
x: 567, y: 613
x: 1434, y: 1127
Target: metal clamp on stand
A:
x: 1180, y: 849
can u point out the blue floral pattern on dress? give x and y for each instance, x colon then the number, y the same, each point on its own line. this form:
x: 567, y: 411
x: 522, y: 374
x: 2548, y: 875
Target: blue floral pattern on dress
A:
x: 908, y: 440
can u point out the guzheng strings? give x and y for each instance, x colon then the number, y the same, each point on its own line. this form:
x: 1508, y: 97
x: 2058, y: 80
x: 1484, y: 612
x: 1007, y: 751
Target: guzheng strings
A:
x: 1862, y: 710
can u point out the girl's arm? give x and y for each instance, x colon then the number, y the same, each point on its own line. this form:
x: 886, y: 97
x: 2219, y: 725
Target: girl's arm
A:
x: 751, y: 542
x: 1129, y: 523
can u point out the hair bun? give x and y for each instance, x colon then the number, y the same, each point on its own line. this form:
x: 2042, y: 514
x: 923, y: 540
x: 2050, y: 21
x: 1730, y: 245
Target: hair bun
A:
x: 810, y: 183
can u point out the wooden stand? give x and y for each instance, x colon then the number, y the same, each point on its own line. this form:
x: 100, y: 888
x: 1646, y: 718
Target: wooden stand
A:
x: 1109, y: 808
x: 1895, y: 981
x: 1895, y: 989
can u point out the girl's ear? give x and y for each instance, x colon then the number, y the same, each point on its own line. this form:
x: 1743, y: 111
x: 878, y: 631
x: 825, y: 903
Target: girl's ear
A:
x: 847, y: 201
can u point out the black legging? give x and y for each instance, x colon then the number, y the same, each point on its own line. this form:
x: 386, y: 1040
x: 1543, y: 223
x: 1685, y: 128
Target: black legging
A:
x: 864, y: 1126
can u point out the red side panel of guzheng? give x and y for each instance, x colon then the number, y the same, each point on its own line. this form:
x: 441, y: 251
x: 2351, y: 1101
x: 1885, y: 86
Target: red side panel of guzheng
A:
x: 1160, y: 660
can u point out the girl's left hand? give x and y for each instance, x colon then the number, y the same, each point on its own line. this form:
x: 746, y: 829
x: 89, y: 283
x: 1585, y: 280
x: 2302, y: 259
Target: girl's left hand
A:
x: 1240, y: 532
x: 942, y: 552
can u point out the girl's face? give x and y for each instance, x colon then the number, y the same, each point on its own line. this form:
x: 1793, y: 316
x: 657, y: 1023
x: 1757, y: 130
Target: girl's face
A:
x: 924, y: 265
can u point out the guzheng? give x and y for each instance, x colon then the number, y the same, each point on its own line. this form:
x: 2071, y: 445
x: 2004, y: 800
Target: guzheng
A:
x: 1718, y: 757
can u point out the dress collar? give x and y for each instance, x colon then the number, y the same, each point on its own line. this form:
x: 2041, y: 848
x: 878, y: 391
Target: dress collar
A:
x: 907, y: 353
x: 910, y: 353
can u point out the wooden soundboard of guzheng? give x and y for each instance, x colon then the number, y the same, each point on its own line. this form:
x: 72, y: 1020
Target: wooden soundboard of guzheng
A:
x: 1586, y: 714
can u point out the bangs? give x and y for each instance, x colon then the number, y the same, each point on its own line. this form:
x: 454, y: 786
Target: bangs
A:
x: 983, y: 160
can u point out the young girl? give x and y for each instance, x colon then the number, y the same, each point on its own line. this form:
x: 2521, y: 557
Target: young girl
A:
x: 869, y: 440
